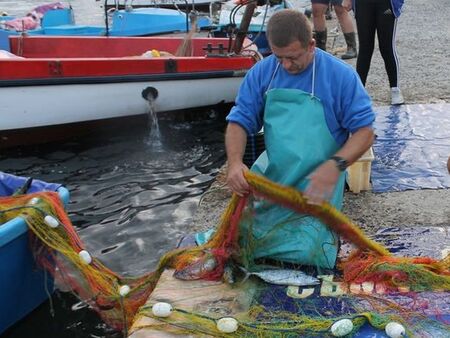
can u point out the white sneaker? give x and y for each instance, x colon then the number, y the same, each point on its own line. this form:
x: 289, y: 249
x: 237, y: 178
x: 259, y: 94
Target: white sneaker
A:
x: 396, y: 96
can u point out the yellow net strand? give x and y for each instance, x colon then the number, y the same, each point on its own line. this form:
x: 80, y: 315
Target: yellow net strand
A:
x: 329, y: 215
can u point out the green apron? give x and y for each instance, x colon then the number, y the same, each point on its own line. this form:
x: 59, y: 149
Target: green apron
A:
x: 297, y: 141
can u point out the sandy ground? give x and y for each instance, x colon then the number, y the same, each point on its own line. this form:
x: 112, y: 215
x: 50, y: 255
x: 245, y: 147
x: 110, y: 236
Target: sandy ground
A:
x: 423, y: 40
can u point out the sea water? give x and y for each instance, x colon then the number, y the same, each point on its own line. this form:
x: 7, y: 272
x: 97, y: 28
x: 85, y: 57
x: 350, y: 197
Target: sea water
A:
x: 129, y: 202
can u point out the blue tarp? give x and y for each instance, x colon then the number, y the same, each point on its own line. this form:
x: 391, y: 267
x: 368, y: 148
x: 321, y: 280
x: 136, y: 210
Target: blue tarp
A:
x: 411, y: 148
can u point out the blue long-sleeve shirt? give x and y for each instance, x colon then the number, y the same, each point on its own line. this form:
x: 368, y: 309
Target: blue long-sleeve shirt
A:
x: 346, y: 103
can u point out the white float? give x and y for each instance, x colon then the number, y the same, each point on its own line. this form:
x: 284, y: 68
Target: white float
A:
x: 51, y: 221
x: 34, y: 201
x: 342, y: 327
x: 124, y: 290
x: 162, y: 309
x: 227, y: 325
x: 395, y: 330
x: 85, y: 256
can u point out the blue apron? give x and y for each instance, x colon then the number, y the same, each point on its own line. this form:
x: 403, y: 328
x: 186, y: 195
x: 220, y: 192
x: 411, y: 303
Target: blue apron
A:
x: 297, y: 141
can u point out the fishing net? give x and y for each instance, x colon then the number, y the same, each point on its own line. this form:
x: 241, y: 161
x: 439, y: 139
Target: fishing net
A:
x: 405, y: 286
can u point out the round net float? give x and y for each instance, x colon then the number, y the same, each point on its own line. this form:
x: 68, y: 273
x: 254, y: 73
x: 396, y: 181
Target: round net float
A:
x: 227, y: 325
x: 34, y: 201
x: 161, y: 309
x: 395, y: 330
x: 51, y: 221
x: 342, y: 327
x: 124, y: 290
x: 85, y: 256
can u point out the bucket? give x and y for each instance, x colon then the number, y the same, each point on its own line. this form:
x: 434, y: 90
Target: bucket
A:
x: 255, y: 146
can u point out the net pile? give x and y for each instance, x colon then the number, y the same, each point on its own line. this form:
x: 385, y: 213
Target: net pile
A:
x: 117, y: 299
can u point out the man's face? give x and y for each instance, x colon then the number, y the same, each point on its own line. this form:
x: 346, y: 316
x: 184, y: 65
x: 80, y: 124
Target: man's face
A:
x: 294, y: 57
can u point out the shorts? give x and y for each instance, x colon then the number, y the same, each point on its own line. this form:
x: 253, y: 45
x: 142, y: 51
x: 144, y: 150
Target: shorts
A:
x: 326, y: 2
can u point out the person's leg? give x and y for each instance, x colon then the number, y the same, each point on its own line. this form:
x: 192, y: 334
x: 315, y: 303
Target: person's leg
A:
x: 319, y: 7
x: 366, y: 25
x: 346, y: 23
x: 328, y: 15
x: 386, y: 31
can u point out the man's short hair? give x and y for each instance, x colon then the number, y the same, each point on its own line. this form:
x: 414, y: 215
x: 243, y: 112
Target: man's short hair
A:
x: 287, y: 26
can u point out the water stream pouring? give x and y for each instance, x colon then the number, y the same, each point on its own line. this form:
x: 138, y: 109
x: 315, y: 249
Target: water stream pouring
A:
x: 150, y: 94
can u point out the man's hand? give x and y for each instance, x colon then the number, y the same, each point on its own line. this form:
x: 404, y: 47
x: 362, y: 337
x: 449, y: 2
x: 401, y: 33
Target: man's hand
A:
x: 322, y: 183
x: 347, y: 4
x: 236, y: 180
x: 235, y: 141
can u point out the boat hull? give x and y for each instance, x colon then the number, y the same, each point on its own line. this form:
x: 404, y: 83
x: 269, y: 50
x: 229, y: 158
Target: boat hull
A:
x: 31, y: 106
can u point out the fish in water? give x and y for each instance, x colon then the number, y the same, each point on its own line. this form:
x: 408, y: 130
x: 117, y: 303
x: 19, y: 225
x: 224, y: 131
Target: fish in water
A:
x: 198, y: 269
x: 283, y: 277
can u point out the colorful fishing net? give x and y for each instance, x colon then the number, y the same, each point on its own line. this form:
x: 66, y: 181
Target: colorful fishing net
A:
x: 272, y: 312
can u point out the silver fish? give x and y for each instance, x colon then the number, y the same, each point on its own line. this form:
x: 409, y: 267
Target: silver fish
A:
x: 284, y: 277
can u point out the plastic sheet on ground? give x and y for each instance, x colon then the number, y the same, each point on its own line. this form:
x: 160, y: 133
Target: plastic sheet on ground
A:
x: 411, y: 148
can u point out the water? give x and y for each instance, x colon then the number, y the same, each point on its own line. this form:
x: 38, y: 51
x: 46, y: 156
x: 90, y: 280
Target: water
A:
x: 154, y: 139
x: 129, y: 202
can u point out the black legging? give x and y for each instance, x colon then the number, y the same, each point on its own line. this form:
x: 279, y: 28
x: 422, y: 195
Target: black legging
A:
x: 376, y: 16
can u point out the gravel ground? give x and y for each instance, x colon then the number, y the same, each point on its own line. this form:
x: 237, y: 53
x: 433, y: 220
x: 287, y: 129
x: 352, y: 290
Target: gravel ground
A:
x: 423, y: 40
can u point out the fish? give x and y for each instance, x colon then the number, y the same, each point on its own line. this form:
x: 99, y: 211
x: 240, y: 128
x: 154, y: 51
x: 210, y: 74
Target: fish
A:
x: 198, y: 269
x: 283, y: 277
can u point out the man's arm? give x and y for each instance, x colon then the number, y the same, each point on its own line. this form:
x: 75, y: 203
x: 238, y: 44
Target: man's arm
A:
x: 325, y: 177
x: 235, y: 142
x: 357, y: 145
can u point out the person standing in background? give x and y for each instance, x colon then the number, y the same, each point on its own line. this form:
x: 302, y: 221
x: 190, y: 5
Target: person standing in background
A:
x: 380, y: 17
x: 319, y: 8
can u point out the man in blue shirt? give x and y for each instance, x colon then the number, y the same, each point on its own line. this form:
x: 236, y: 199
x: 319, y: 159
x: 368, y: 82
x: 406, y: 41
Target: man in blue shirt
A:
x: 309, y: 103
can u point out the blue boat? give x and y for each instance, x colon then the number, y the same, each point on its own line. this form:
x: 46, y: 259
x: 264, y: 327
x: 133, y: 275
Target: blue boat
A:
x: 129, y: 22
x: 24, y: 286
